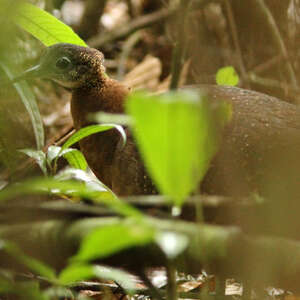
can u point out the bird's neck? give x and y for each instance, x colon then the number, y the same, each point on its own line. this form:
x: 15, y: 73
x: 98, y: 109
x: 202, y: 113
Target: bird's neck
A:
x: 110, y: 98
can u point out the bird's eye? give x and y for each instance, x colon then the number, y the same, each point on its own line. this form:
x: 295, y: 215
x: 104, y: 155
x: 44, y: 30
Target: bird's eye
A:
x: 63, y: 63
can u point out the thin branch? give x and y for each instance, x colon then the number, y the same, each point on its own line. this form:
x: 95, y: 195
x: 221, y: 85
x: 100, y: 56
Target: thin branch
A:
x: 180, y: 44
x: 278, y: 39
x: 124, y: 31
x: 235, y: 38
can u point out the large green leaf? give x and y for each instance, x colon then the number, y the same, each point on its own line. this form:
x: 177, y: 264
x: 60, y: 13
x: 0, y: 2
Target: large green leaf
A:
x: 110, y: 239
x: 30, y: 104
x: 175, y: 132
x: 45, y: 27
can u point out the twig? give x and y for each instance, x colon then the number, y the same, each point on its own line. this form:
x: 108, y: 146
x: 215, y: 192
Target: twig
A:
x: 139, y: 23
x: 267, y: 64
x: 127, y: 47
x: 278, y: 40
x: 89, y: 23
x: 272, y: 83
x: 180, y: 46
x: 235, y: 39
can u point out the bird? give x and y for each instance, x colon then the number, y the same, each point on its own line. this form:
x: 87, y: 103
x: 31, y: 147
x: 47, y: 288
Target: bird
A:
x: 258, y: 152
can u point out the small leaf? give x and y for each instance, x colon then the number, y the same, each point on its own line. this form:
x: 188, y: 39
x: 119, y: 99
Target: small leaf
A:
x: 92, y: 129
x: 29, y: 101
x: 227, y: 76
x: 111, y: 239
x: 76, y: 159
x: 39, y: 156
x: 45, y: 27
x: 52, y: 153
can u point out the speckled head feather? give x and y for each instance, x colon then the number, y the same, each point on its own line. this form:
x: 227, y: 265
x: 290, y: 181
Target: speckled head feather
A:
x: 71, y: 66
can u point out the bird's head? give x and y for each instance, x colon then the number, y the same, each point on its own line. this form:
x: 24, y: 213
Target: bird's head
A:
x: 69, y: 65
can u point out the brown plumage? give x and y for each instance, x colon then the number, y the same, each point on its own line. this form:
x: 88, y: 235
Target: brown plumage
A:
x: 259, y: 151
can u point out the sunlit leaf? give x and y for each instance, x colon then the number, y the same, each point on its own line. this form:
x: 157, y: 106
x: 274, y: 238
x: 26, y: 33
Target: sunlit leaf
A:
x: 53, y: 152
x: 71, y: 188
x: 90, y: 180
x: 29, y: 101
x: 92, y: 129
x: 80, y: 272
x: 30, y: 262
x: 39, y: 156
x: 110, y: 239
x: 45, y: 27
x: 76, y: 159
x: 227, y: 76
x: 176, y: 136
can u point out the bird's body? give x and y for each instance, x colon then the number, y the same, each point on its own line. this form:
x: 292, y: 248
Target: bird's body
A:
x: 259, y: 146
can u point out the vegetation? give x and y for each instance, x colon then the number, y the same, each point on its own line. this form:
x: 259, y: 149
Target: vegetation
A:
x: 61, y: 227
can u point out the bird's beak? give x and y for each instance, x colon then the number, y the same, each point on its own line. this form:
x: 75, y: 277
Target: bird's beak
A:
x: 31, y: 73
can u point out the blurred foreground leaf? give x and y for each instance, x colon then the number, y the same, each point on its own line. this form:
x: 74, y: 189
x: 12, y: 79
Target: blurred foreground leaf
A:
x: 80, y: 272
x: 33, y: 264
x: 177, y: 138
x: 110, y: 239
x: 45, y: 27
x: 71, y: 188
x: 30, y: 104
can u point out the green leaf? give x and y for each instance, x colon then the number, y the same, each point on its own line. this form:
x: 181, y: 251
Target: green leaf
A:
x: 29, y: 101
x: 80, y: 272
x: 124, y: 279
x: 39, y: 156
x: 52, y: 153
x: 76, y: 272
x: 92, y: 129
x: 71, y: 188
x: 107, y: 240
x: 176, y: 137
x: 76, y: 159
x: 30, y: 262
x: 90, y: 180
x: 45, y: 27
x: 227, y: 76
